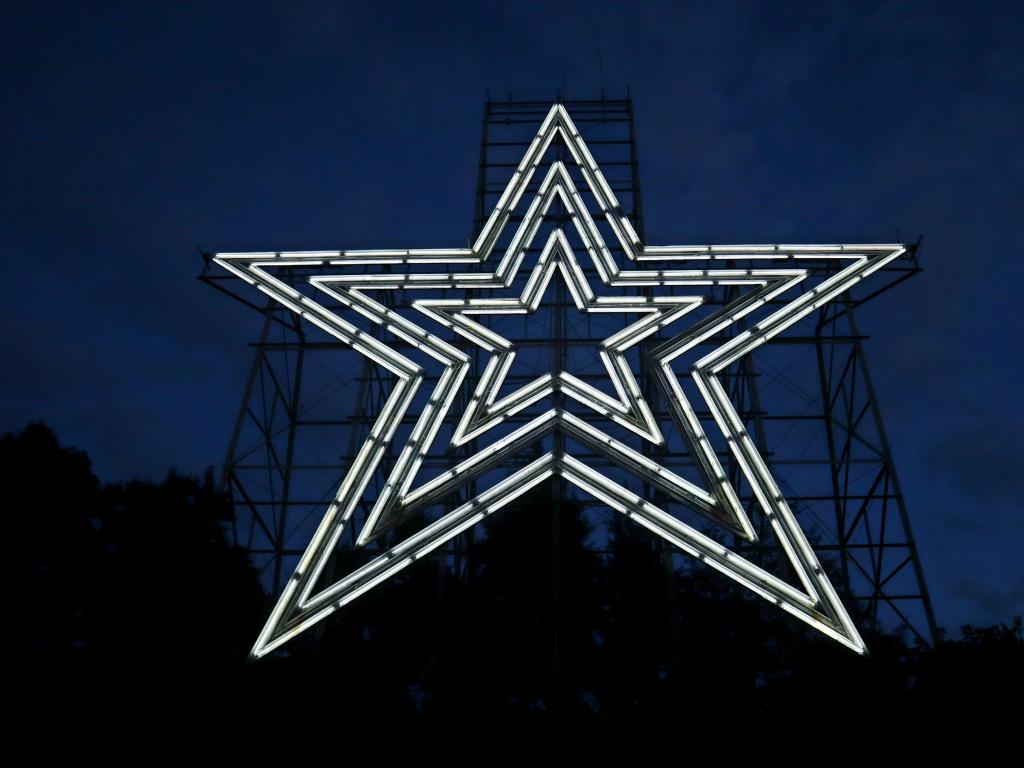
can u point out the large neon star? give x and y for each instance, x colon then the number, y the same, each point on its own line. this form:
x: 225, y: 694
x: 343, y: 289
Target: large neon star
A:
x: 814, y: 601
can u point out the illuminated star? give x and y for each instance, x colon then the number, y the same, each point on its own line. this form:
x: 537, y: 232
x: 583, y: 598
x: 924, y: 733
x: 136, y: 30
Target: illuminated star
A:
x: 814, y: 601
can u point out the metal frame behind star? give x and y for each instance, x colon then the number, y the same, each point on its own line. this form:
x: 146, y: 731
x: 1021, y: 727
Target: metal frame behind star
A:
x: 816, y: 604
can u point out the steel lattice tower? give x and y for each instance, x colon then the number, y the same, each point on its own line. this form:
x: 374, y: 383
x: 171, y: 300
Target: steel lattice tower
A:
x: 307, y: 405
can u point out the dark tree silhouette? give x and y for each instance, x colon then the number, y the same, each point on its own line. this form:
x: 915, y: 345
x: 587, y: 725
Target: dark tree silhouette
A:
x: 135, y: 587
x: 130, y: 583
x: 637, y: 629
x: 519, y: 638
x: 52, y: 509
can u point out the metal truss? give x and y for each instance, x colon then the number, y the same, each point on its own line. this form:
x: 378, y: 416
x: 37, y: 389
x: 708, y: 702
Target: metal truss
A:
x: 303, y: 419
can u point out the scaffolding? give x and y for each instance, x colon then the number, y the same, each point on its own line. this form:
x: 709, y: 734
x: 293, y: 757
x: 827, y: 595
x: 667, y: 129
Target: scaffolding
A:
x: 805, y: 397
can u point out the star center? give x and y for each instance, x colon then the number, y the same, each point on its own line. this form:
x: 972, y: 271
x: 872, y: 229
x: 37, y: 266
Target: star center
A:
x: 628, y: 408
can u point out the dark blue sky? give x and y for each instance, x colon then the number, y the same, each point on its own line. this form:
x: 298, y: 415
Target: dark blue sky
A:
x: 135, y: 132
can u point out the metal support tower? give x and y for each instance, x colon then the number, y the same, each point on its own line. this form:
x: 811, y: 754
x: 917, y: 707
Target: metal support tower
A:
x: 306, y: 408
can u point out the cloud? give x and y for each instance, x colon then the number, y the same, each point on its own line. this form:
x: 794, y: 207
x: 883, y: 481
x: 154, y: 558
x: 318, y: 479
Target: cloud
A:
x: 980, y: 452
x: 991, y: 601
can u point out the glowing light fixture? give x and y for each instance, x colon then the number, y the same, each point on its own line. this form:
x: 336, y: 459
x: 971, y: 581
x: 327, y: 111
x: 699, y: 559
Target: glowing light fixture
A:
x: 814, y: 601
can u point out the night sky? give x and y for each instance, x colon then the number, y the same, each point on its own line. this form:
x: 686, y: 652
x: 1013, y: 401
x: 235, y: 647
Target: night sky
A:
x: 135, y: 134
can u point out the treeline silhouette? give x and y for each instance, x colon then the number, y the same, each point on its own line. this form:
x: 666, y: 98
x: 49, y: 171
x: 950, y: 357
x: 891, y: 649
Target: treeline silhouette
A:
x: 133, y: 591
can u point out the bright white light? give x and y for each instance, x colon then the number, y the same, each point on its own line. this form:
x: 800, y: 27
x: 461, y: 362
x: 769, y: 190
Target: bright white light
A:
x: 815, y: 602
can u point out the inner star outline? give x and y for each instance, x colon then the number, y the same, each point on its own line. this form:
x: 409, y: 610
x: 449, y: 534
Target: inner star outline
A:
x: 816, y: 603
x: 630, y: 410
